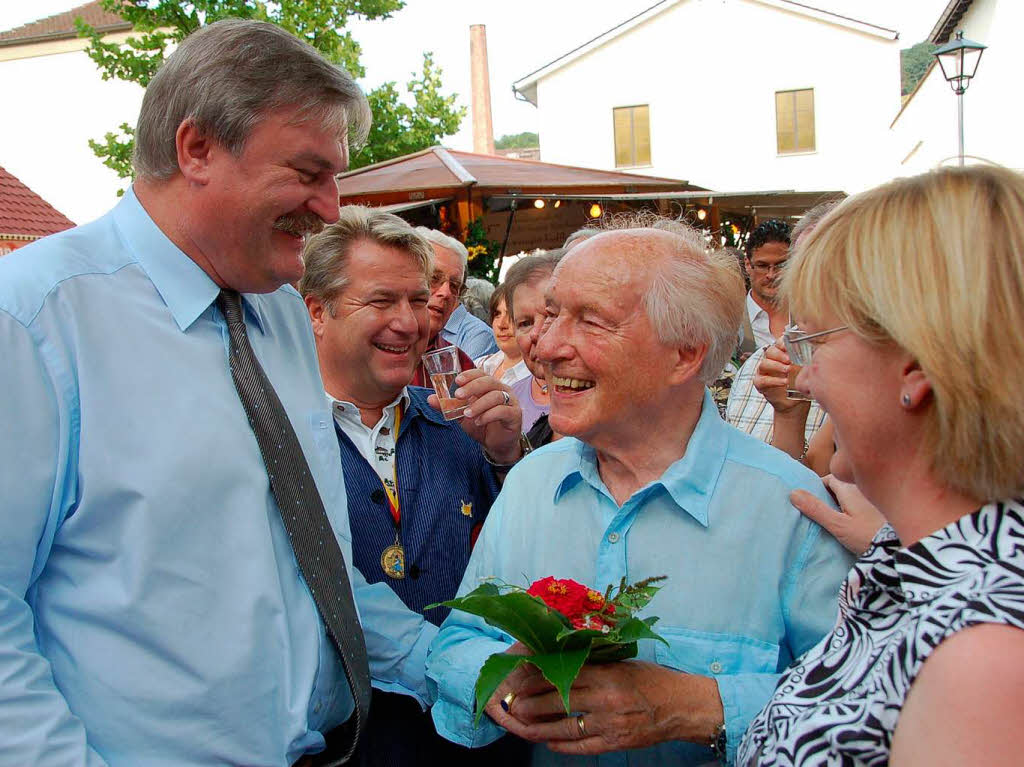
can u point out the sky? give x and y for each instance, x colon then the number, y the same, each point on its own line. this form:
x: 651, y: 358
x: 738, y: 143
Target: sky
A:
x: 521, y: 36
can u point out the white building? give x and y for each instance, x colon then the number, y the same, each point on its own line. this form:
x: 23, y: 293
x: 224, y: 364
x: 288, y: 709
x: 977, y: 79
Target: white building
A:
x: 56, y: 101
x: 924, y: 133
x: 730, y: 94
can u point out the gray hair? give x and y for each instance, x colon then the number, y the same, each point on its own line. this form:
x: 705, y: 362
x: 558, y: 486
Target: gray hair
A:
x: 477, y: 298
x: 580, y: 234
x: 226, y: 77
x: 529, y: 270
x: 326, y: 254
x: 811, y: 219
x: 442, y: 240
x: 697, y: 294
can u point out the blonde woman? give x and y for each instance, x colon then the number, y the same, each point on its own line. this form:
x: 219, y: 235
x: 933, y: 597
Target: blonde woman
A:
x: 912, y: 298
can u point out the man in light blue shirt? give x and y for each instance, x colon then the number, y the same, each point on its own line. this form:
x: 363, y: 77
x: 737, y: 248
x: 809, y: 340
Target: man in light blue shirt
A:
x: 469, y: 333
x: 654, y: 483
x: 151, y: 608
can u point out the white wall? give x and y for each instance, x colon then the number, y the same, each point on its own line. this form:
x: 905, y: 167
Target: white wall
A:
x: 709, y: 70
x: 54, y: 104
x: 992, y: 122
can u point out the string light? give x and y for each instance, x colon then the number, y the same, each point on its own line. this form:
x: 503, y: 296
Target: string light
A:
x: 538, y: 203
x: 595, y: 211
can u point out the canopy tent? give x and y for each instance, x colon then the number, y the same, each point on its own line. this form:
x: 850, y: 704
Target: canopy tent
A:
x: 527, y: 204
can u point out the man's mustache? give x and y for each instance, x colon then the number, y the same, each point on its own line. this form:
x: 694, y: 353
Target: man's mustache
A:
x: 300, y: 224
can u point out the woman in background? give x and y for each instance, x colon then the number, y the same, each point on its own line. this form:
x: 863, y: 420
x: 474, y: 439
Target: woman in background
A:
x: 506, y: 364
x: 526, y: 282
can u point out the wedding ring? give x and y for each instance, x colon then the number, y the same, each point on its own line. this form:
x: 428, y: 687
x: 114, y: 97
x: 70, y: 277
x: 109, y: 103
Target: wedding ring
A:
x: 506, y: 702
x: 581, y: 726
x: 505, y: 394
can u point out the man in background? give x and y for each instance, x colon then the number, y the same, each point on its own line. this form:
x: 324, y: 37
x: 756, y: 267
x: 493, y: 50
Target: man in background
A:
x: 450, y: 321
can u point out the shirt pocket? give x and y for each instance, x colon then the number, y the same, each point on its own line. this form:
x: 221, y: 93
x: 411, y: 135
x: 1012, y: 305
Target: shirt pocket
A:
x: 710, y: 654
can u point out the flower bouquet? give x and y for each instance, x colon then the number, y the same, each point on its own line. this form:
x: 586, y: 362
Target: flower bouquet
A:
x: 563, y: 623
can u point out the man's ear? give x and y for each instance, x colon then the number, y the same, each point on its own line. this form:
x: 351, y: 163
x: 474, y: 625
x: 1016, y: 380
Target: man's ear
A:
x: 318, y: 314
x: 687, y: 362
x: 195, y: 152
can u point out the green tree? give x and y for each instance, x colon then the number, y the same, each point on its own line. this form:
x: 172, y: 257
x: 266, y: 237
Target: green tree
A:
x: 398, y: 128
x: 518, y: 141
x: 914, y: 62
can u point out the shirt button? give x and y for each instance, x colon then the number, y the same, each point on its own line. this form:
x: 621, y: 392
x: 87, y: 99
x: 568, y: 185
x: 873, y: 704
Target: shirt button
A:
x: 316, y: 709
x: 716, y: 667
x: 613, y: 537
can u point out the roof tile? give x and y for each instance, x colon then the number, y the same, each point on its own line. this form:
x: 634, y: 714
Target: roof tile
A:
x: 62, y: 25
x: 23, y: 212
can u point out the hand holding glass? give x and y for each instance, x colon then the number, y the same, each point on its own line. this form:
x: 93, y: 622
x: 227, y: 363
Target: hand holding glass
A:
x: 443, y: 366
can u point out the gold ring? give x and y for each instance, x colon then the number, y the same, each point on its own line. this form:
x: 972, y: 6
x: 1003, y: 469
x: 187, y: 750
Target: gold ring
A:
x: 506, y: 702
x: 581, y: 726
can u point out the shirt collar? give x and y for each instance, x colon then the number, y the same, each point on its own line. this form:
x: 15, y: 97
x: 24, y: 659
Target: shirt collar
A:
x: 690, y: 481
x: 955, y: 553
x: 341, y: 408
x: 456, y: 318
x: 754, y: 310
x: 185, y: 288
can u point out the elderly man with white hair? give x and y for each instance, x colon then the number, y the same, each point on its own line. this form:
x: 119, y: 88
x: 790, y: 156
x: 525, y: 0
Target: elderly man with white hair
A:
x: 649, y: 481
x: 450, y: 322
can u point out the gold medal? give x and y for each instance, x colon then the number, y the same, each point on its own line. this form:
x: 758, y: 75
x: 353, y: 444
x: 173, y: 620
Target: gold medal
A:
x: 392, y: 560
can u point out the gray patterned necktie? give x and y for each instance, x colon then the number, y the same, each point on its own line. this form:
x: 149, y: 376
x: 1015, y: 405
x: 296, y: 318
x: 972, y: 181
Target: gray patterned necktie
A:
x: 302, y: 510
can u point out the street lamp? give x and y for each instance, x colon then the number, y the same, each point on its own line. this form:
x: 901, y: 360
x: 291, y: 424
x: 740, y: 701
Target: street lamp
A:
x: 959, y: 61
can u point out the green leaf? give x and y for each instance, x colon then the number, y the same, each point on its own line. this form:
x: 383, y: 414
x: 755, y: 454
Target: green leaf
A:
x: 561, y: 669
x: 520, y: 615
x: 608, y: 652
x: 492, y: 673
x: 634, y: 629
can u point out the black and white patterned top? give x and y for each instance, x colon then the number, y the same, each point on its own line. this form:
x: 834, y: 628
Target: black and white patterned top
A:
x: 840, y: 702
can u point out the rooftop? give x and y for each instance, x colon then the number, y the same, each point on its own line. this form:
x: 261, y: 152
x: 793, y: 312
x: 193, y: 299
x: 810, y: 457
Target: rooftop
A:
x: 23, y: 213
x: 62, y: 25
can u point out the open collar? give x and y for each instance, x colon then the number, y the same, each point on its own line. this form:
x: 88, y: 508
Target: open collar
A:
x: 184, y: 287
x: 690, y: 481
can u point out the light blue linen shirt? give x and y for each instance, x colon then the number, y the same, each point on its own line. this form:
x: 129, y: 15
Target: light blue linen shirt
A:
x: 751, y: 584
x: 469, y: 333
x: 151, y: 608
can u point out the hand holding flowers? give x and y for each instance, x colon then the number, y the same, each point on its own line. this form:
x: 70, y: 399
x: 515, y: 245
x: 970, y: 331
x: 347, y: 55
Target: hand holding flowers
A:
x: 563, y: 624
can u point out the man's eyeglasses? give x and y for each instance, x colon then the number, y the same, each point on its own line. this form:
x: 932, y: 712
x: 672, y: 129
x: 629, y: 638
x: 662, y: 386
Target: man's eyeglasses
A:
x: 759, y: 267
x: 455, y: 286
x: 800, y: 346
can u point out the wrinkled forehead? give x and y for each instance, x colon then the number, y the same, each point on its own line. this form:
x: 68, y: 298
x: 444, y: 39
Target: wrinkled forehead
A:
x: 447, y: 260
x: 620, y: 261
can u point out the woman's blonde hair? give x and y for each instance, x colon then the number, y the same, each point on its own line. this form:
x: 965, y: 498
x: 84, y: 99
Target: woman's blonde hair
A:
x: 935, y: 265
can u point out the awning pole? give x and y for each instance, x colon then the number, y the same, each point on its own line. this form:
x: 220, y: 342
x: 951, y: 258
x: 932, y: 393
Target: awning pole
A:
x: 508, y: 231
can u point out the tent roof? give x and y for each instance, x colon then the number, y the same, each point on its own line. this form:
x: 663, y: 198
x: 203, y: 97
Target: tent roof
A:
x: 440, y: 168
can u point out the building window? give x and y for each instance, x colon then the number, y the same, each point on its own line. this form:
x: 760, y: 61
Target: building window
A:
x: 632, y: 136
x: 794, y: 121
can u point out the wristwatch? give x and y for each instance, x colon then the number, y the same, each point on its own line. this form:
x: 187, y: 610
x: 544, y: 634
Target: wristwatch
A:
x: 524, y: 446
x: 718, y: 744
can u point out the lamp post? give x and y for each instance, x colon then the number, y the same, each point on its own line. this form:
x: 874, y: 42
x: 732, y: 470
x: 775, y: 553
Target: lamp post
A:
x: 959, y: 61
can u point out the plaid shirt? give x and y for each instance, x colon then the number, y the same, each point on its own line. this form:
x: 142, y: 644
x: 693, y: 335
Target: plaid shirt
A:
x: 748, y: 411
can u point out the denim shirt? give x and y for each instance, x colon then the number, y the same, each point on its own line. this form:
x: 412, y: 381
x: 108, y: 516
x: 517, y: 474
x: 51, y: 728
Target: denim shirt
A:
x: 752, y: 584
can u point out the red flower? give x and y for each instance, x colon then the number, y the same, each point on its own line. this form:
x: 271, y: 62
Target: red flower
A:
x: 573, y: 600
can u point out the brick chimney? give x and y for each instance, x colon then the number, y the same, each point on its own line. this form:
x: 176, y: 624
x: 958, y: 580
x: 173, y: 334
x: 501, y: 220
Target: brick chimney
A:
x: 483, y: 132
